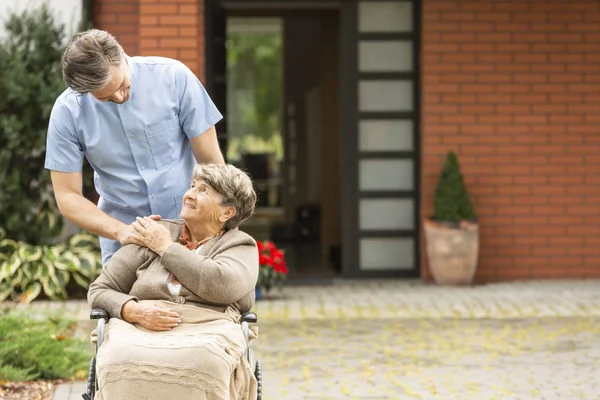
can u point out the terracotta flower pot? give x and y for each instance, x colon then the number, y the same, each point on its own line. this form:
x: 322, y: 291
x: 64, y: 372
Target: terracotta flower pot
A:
x: 452, y: 251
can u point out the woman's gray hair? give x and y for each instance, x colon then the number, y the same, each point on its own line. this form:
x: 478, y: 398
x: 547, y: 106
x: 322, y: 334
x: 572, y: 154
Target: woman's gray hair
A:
x: 87, y: 60
x: 234, y: 185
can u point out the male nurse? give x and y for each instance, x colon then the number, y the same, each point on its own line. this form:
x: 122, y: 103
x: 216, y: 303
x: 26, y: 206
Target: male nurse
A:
x: 141, y: 122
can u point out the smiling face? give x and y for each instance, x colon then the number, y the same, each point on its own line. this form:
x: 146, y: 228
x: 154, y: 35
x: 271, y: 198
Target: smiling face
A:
x: 202, y: 207
x: 118, y: 89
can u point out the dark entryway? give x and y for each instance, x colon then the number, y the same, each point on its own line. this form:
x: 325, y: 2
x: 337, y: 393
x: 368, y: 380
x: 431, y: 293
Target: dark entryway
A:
x: 343, y: 198
x: 293, y: 152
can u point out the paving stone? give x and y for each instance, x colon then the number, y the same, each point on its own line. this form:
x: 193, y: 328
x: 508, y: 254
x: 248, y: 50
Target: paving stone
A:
x: 411, y: 340
x: 553, y: 358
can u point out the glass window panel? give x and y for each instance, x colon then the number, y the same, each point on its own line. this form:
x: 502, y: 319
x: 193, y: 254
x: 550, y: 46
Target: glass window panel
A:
x: 385, y: 16
x: 387, y: 253
x: 386, y: 175
x: 386, y: 214
x: 385, y: 135
x: 385, y: 56
x: 385, y: 95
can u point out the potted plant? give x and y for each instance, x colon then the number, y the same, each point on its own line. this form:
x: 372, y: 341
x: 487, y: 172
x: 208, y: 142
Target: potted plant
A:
x: 452, y: 234
x: 272, y: 268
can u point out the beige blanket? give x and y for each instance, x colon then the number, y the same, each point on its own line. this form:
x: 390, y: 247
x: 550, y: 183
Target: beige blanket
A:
x: 203, y: 358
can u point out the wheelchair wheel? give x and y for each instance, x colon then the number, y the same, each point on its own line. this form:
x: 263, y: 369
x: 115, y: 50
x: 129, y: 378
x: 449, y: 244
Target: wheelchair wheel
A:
x: 258, y: 375
x: 91, y: 384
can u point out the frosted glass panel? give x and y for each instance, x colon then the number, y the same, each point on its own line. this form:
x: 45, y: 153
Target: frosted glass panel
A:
x: 385, y: 16
x: 385, y: 135
x: 386, y: 175
x: 385, y: 56
x: 386, y: 214
x: 387, y: 253
x: 385, y: 95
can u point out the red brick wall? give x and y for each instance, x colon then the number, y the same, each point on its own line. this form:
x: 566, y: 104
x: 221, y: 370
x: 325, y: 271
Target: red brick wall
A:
x: 514, y: 88
x: 175, y: 29
x: 168, y: 28
x: 121, y: 18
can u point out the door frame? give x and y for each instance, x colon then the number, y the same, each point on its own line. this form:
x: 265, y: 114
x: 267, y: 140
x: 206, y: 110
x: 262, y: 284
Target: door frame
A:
x: 349, y: 148
x: 349, y: 117
x: 215, y: 69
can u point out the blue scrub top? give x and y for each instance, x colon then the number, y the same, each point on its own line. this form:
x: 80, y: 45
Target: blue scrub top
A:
x: 140, y: 149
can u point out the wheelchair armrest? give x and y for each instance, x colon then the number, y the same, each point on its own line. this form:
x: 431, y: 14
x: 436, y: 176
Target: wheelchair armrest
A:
x: 98, y: 313
x: 249, y: 317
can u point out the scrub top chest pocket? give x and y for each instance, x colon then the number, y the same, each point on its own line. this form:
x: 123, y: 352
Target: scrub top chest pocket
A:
x: 162, y: 139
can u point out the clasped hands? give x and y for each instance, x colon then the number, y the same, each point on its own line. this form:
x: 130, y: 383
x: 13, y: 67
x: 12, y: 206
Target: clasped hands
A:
x: 148, y: 233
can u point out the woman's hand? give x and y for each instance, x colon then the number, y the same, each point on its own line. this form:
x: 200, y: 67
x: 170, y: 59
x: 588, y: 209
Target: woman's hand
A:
x: 151, y: 315
x: 126, y: 232
x: 152, y: 235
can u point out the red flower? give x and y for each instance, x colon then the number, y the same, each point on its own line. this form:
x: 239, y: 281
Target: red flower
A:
x: 281, y: 268
x: 263, y: 259
x: 272, y: 265
x: 275, y: 253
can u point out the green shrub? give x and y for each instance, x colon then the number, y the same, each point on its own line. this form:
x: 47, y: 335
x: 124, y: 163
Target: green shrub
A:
x: 27, y: 270
x: 452, y: 202
x: 32, y: 349
x: 30, y: 82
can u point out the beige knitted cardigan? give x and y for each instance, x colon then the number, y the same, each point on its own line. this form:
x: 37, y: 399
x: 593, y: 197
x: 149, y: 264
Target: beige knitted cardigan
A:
x: 223, y: 273
x: 203, y: 358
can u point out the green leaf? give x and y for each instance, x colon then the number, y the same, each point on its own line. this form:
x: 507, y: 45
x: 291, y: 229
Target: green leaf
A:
x: 52, y: 290
x: 68, y: 262
x: 55, y: 283
x: 14, y: 262
x: 82, y: 242
x: 81, y: 280
x: 47, y: 270
x: 5, y: 291
x: 37, y: 269
x: 17, y: 279
x: 52, y: 254
x: 61, y: 278
x: 32, y: 291
x: 29, y: 253
x: 88, y: 262
x: 32, y: 270
x: 4, y: 270
x: 8, y: 246
x: 27, y: 271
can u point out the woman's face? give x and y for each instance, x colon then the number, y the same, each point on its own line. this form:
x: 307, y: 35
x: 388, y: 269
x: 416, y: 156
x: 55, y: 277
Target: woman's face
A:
x: 201, y: 203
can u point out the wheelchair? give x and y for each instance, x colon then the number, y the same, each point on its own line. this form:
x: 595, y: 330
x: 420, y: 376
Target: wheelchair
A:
x: 102, y: 317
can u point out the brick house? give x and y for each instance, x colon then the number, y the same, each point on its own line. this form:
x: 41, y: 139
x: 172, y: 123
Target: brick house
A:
x: 512, y: 86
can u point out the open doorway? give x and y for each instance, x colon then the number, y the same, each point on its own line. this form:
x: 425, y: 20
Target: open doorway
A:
x: 281, y: 90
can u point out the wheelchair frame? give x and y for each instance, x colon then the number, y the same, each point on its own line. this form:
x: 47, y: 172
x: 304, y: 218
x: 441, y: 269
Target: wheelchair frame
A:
x: 102, y: 317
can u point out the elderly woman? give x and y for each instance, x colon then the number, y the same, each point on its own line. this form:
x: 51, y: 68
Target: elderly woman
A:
x: 175, y: 298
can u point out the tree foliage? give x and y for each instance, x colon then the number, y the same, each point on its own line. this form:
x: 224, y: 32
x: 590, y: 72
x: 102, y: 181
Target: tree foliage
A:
x: 30, y: 81
x: 452, y: 202
x: 254, y: 69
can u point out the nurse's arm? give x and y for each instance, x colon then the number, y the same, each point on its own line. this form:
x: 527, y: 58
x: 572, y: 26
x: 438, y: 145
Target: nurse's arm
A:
x: 206, y: 148
x: 82, y: 212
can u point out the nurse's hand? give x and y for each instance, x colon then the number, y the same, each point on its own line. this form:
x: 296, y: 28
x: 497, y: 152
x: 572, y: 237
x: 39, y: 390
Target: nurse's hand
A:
x: 127, y: 233
x: 152, y: 235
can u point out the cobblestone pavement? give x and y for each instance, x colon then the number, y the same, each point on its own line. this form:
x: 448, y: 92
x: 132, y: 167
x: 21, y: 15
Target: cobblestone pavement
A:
x: 446, y: 359
x: 410, y: 340
x: 411, y: 300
